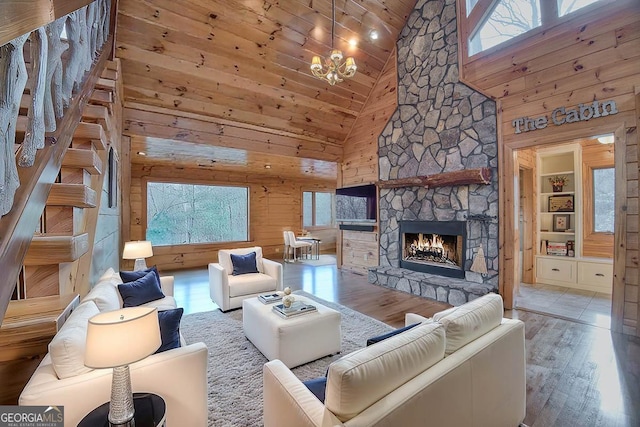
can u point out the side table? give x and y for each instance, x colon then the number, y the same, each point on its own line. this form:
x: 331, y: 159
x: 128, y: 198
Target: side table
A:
x: 149, y: 410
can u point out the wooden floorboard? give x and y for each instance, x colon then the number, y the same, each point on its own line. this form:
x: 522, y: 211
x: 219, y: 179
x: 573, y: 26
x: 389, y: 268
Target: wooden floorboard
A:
x: 578, y: 375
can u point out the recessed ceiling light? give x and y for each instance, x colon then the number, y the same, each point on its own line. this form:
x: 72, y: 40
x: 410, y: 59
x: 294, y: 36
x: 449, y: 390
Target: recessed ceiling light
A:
x: 373, y: 35
x: 141, y: 153
x: 353, y: 42
x: 267, y: 166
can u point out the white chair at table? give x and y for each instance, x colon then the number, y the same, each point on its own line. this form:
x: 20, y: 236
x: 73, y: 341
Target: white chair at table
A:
x: 296, y: 244
x: 287, y: 247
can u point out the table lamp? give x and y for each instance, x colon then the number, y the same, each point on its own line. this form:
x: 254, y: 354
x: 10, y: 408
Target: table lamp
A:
x: 138, y: 250
x: 114, y: 340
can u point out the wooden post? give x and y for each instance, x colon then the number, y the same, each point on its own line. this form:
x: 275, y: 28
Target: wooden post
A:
x: 34, y: 135
x: 14, y: 73
x: 53, y: 106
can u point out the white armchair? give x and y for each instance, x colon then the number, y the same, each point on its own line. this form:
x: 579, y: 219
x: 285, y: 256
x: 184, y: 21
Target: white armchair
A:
x: 228, y: 291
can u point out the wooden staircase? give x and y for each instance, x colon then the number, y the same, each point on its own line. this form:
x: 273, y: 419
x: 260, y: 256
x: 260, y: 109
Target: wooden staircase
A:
x: 58, y: 259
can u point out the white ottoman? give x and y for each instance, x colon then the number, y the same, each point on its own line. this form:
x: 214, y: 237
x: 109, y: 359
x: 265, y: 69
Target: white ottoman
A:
x: 296, y: 340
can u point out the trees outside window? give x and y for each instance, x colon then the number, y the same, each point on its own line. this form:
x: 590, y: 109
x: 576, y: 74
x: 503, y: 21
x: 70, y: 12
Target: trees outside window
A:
x: 317, y: 209
x: 603, y: 200
x: 506, y: 19
x: 179, y: 214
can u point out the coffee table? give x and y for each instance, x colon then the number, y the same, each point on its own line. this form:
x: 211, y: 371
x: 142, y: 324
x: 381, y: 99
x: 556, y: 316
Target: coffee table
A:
x: 296, y: 340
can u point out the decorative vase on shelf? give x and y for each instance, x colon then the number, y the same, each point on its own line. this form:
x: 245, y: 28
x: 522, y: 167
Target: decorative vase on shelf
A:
x: 557, y: 188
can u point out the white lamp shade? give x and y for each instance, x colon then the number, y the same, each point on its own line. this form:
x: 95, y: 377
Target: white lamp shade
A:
x: 120, y: 337
x: 137, y: 249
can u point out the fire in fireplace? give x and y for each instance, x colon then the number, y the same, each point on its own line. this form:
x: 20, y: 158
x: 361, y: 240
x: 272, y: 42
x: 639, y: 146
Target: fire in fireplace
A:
x: 436, y: 247
x: 432, y: 248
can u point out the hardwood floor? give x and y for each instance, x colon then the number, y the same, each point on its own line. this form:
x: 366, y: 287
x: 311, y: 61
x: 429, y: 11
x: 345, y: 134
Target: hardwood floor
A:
x: 327, y: 282
x: 577, y: 374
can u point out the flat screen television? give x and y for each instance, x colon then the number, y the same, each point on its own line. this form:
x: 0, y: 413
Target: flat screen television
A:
x: 357, y: 204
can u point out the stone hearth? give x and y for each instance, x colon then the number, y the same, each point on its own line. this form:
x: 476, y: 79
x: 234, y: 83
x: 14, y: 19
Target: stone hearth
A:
x: 440, y: 126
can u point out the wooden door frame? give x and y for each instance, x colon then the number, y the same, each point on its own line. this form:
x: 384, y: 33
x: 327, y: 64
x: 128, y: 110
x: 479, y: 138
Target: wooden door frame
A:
x: 509, y: 247
x: 528, y: 232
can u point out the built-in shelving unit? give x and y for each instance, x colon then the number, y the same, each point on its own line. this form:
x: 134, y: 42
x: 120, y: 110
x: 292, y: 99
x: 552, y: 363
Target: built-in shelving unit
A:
x: 559, y: 225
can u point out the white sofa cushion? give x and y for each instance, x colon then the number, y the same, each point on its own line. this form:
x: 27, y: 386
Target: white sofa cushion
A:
x: 68, y: 346
x: 251, y: 283
x: 106, y: 297
x: 469, y: 321
x: 224, y: 257
x: 359, y: 379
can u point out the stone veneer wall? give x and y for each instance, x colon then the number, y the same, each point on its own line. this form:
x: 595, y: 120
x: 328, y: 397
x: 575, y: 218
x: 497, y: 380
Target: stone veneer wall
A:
x: 440, y: 125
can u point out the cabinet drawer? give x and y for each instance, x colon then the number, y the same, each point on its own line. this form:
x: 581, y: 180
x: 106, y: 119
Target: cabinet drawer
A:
x: 559, y: 270
x: 595, y: 274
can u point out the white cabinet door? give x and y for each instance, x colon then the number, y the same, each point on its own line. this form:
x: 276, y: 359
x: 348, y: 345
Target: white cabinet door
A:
x: 556, y: 270
x: 596, y: 274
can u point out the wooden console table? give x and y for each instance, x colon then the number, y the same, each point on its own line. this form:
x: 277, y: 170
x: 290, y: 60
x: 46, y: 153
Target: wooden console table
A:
x: 25, y: 333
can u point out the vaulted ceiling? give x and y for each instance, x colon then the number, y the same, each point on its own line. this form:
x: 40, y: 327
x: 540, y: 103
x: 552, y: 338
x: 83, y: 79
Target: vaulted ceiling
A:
x: 235, y: 74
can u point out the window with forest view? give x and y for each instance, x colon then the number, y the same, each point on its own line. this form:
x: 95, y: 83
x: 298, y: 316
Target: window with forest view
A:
x: 181, y: 214
x: 317, y: 209
x: 603, y: 200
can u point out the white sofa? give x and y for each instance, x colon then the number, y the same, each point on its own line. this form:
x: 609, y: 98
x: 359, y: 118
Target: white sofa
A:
x: 464, y: 367
x: 179, y: 375
x: 228, y: 291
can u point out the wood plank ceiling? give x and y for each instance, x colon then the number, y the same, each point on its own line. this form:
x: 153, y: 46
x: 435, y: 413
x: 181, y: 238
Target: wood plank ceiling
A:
x: 204, y: 74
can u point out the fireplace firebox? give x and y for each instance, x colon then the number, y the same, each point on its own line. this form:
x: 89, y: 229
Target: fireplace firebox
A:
x: 436, y: 247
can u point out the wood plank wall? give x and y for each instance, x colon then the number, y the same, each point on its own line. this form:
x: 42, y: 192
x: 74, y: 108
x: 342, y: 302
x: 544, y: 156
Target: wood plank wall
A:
x: 275, y: 206
x: 358, y: 249
x: 593, y: 55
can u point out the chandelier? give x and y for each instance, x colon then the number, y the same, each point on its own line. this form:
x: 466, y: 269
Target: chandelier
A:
x: 334, y: 70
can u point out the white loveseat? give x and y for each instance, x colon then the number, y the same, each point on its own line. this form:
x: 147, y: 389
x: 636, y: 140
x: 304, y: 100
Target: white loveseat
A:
x: 464, y: 367
x: 228, y: 291
x: 179, y: 375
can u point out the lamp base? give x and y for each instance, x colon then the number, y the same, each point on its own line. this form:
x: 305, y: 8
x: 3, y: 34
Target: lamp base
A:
x: 140, y: 264
x: 121, y: 405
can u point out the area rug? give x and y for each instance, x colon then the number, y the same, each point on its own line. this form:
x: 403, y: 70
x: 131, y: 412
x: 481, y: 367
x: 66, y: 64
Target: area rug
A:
x: 235, y: 365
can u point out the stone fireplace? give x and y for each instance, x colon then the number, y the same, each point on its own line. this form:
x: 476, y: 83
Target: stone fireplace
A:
x: 436, y: 247
x: 441, y: 127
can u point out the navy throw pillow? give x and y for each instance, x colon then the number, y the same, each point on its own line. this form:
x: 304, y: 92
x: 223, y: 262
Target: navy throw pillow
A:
x: 317, y: 386
x: 244, y: 264
x: 130, y: 276
x: 141, y: 291
x: 389, y: 334
x: 169, y: 328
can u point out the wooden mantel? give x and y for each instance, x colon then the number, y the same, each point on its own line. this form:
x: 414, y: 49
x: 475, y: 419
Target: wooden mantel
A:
x: 445, y: 179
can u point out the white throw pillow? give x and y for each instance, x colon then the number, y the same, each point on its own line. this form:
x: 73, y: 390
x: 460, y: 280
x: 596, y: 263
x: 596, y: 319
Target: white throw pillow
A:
x: 68, y: 346
x: 359, y: 379
x: 106, y: 297
x: 469, y: 321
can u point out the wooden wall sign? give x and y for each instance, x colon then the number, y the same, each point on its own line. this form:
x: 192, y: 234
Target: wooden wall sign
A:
x: 562, y: 115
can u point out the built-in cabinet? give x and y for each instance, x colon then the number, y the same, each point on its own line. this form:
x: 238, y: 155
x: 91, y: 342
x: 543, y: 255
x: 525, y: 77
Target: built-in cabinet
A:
x: 559, y: 259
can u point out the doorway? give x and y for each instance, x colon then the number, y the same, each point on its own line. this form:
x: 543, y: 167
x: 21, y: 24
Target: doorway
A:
x: 565, y: 212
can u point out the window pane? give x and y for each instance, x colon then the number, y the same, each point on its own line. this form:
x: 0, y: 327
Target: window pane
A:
x: 470, y: 5
x: 185, y: 213
x: 509, y: 19
x: 568, y: 6
x: 307, y: 209
x: 604, y: 200
x: 323, y: 209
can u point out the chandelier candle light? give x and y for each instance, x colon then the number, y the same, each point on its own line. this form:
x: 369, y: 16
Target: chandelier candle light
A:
x: 334, y: 70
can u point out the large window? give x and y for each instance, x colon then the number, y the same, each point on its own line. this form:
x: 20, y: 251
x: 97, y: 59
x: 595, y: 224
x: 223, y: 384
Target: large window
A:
x: 509, y: 19
x: 497, y: 21
x: 603, y: 200
x: 179, y: 214
x: 317, y: 209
